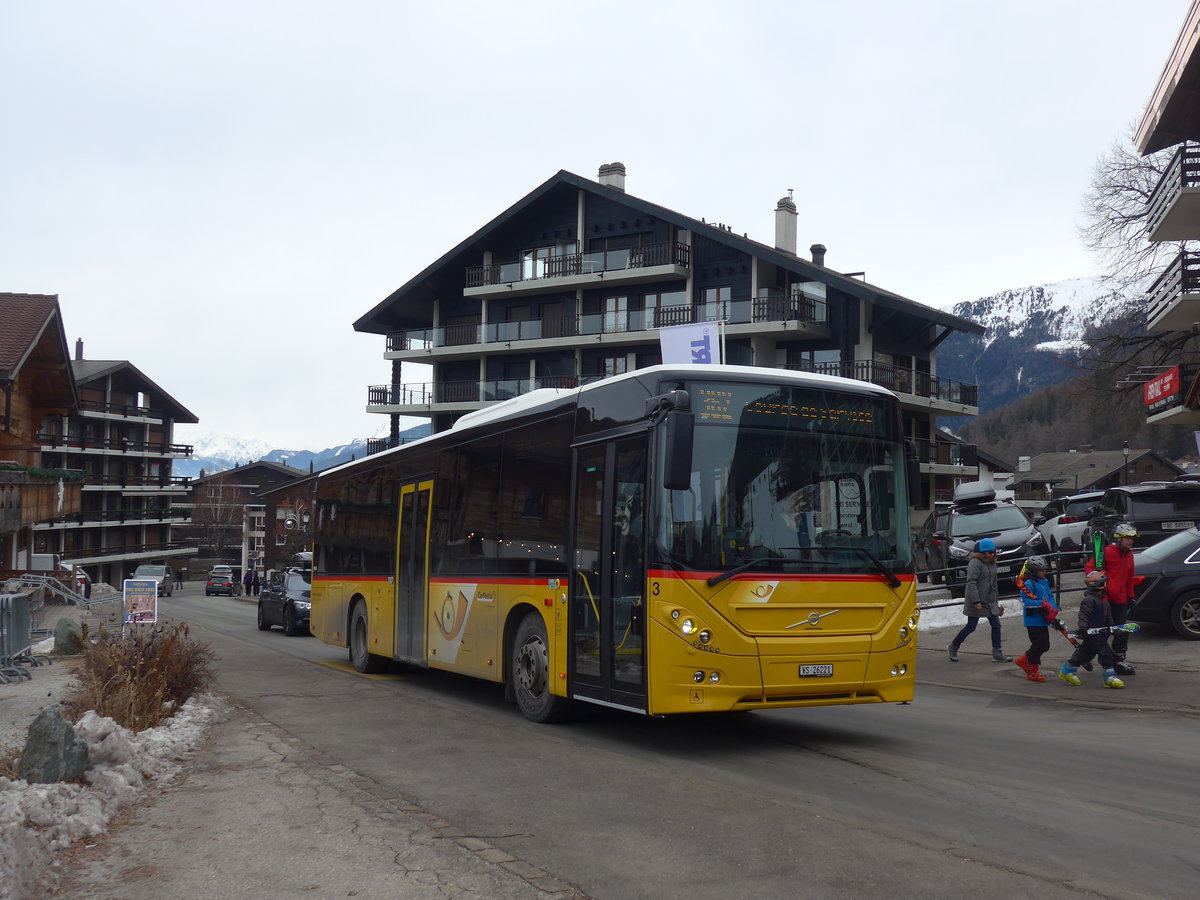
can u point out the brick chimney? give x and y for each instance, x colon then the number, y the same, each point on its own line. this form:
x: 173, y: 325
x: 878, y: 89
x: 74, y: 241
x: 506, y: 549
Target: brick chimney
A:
x: 818, y: 254
x: 785, y: 224
x: 613, y: 175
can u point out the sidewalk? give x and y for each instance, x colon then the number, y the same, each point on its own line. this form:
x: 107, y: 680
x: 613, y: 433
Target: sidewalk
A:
x: 261, y: 814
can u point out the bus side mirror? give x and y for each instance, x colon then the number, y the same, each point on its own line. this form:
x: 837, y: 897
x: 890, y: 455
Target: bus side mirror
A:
x: 912, y: 467
x: 678, y: 432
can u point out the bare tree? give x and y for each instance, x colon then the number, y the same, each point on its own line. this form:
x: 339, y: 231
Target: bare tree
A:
x: 217, y: 515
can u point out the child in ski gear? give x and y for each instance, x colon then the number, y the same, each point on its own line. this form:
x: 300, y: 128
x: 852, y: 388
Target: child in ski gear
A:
x: 982, y: 599
x: 1094, y: 612
x: 1118, y: 566
x: 1040, y: 612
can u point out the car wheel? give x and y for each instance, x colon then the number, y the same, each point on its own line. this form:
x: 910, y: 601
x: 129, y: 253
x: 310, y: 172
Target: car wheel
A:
x: 1185, y: 616
x: 529, y: 673
x: 263, y: 624
x: 289, y: 622
x: 360, y: 657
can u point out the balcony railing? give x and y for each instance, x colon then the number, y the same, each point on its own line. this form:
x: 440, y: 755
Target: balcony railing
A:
x: 174, y: 481
x: 1181, y: 277
x: 135, y: 550
x: 769, y: 306
x: 946, y: 453
x: 1183, y: 171
x: 80, y: 442
x: 121, y: 409
x: 429, y: 393
x: 664, y: 254
x: 900, y: 380
x: 120, y: 516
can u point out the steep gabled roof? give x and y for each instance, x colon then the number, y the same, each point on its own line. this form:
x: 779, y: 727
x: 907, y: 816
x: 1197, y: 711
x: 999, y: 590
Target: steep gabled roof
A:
x: 248, y: 469
x: 32, y: 328
x: 424, y: 287
x: 1083, y: 468
x: 88, y: 370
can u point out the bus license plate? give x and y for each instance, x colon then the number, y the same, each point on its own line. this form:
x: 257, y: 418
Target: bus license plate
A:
x: 825, y: 670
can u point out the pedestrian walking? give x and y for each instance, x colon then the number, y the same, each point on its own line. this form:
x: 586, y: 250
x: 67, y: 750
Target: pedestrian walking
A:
x: 1095, y: 611
x: 179, y: 578
x: 248, y: 582
x: 1040, y: 612
x: 256, y: 583
x: 982, y: 600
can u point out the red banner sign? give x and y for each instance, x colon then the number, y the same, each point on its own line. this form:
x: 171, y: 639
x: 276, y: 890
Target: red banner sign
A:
x: 1161, y: 388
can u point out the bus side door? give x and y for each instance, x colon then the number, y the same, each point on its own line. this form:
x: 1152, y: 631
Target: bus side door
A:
x: 412, y: 571
x: 608, y: 582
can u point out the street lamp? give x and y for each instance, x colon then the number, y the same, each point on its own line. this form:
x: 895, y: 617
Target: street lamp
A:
x: 1125, y: 451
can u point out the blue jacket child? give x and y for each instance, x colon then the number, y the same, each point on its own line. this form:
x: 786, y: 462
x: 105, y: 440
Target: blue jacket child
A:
x: 1040, y: 611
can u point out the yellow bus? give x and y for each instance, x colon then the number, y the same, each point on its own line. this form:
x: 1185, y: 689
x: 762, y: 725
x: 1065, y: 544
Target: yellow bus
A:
x: 671, y: 540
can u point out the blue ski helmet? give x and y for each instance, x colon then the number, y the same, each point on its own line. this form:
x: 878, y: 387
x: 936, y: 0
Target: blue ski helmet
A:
x: 986, y: 545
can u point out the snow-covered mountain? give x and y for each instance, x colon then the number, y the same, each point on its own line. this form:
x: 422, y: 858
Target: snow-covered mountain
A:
x: 1033, y: 338
x: 218, y: 452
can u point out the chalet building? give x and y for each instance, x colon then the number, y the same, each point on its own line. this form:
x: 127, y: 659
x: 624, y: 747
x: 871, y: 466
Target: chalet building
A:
x: 228, y: 517
x: 122, y: 439
x: 37, y: 386
x: 1171, y: 392
x: 1061, y: 474
x: 573, y: 282
x: 288, y: 515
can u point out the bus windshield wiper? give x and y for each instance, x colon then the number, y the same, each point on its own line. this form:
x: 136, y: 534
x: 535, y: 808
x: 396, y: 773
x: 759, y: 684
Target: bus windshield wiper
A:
x: 875, y: 561
x: 748, y: 564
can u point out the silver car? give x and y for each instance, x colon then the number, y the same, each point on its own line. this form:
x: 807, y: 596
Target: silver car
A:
x: 1063, y: 522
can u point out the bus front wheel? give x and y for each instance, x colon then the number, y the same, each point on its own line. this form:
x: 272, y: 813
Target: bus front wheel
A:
x: 529, y: 673
x: 360, y: 657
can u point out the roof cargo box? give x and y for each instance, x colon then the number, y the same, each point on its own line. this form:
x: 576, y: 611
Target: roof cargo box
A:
x: 974, y: 492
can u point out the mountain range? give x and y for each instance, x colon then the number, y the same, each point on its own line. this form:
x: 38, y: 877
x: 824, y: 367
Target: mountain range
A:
x: 218, y: 452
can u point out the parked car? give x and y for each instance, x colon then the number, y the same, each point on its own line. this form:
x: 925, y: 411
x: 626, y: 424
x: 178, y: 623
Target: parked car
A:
x: 1063, y: 522
x: 1167, y: 583
x: 974, y: 515
x: 162, y: 574
x: 220, y: 584
x: 1157, y: 509
x: 285, y: 600
x: 927, y: 546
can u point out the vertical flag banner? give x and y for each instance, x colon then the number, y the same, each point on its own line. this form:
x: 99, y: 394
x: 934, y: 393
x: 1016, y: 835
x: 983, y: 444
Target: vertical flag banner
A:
x: 690, y: 345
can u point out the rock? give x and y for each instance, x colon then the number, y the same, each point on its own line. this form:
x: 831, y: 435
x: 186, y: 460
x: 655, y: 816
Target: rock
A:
x: 53, y: 752
x: 68, y: 639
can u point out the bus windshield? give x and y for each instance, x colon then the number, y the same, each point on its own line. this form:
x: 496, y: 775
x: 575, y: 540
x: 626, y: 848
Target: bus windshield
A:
x: 789, y: 479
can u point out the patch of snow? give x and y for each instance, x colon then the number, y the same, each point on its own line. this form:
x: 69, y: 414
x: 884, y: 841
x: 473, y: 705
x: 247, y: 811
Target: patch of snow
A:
x: 39, y: 820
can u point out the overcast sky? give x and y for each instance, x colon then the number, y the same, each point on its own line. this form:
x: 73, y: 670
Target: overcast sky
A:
x: 217, y: 190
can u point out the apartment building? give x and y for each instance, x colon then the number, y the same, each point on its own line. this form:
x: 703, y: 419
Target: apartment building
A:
x: 122, y: 440
x: 1171, y: 392
x: 574, y: 281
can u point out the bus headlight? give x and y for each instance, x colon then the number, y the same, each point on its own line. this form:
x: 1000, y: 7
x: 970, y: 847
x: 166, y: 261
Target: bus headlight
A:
x: 698, y: 677
x: 687, y: 626
x: 901, y: 669
x: 705, y: 636
x: 904, y: 632
x: 714, y: 677
x: 914, y: 618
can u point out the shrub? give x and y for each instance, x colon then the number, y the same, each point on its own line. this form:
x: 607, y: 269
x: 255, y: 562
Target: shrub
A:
x: 139, y: 679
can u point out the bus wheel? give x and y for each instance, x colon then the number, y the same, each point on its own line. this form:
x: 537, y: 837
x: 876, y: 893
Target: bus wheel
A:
x: 529, y: 673
x: 363, y: 660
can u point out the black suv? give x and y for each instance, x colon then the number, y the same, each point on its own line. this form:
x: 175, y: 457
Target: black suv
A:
x: 1157, y: 509
x: 976, y: 514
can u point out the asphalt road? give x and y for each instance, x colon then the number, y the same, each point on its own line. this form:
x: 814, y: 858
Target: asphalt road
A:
x: 973, y: 789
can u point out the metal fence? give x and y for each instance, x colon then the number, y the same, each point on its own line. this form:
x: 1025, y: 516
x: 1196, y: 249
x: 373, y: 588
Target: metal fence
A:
x: 16, y: 644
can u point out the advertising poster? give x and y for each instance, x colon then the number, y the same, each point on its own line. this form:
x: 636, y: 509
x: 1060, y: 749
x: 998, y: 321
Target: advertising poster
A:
x: 141, y: 600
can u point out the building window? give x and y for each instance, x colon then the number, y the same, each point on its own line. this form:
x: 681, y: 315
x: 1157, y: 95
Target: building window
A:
x: 616, y: 314
x: 613, y: 365
x: 716, y: 303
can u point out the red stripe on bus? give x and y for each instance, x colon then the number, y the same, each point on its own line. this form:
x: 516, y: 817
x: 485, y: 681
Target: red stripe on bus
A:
x: 774, y: 576
x: 379, y: 578
x: 492, y: 579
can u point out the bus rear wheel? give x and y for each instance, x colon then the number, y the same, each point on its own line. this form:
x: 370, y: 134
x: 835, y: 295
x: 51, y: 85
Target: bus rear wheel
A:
x: 529, y: 673
x: 360, y: 657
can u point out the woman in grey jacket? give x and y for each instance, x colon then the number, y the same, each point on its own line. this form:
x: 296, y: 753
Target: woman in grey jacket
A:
x: 982, y: 599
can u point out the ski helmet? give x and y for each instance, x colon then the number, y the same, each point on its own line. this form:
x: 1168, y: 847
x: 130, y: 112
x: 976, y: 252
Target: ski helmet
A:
x: 1037, y: 562
x: 1125, y: 530
x: 986, y: 545
x: 1095, y: 578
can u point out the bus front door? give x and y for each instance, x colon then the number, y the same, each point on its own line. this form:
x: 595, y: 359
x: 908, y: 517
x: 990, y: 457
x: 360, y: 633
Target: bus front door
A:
x: 412, y: 571
x: 607, y: 611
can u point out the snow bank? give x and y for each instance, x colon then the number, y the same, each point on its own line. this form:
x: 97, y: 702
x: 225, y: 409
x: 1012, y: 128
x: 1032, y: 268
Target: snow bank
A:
x: 38, y: 820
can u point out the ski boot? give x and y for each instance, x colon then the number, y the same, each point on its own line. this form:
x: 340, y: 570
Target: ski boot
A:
x: 1032, y: 674
x: 952, y: 651
x: 1111, y: 680
x: 998, y: 655
x: 1124, y: 668
x: 1067, y: 674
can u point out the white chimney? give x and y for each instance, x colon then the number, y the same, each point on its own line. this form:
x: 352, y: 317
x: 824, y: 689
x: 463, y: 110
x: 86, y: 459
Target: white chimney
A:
x: 1022, y: 463
x: 613, y: 175
x: 785, y: 224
